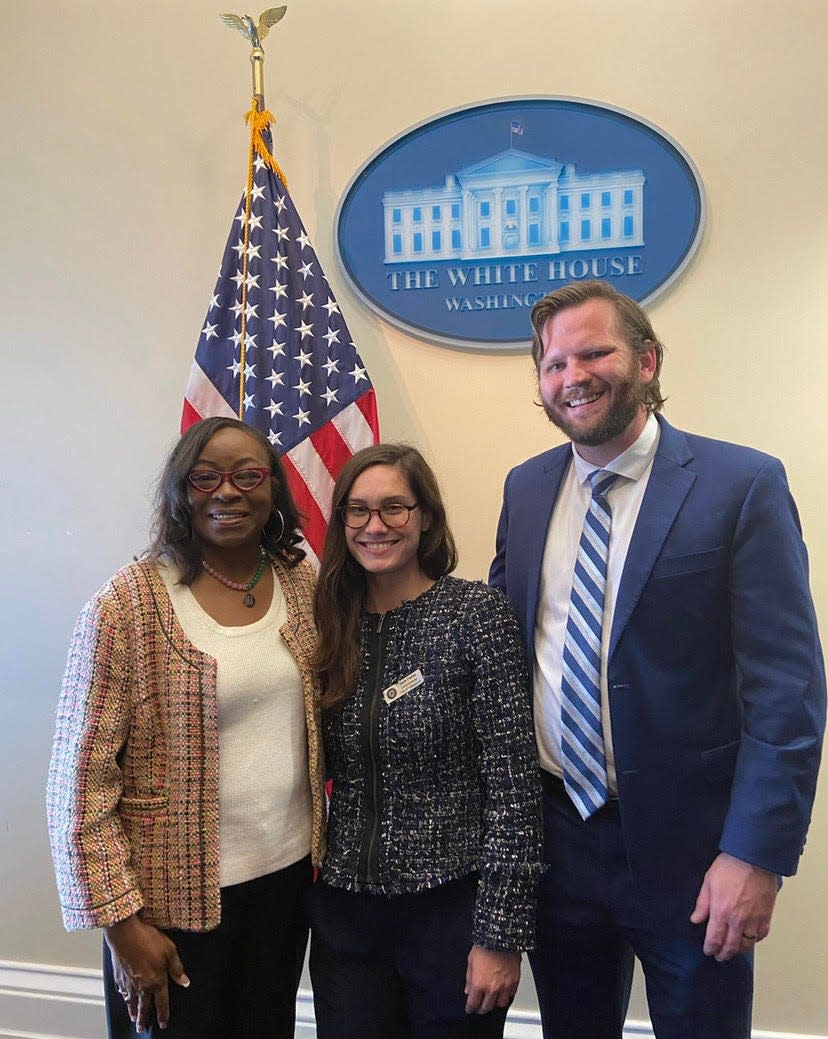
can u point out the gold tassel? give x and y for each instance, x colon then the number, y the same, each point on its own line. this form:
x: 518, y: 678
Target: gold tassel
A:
x: 259, y: 122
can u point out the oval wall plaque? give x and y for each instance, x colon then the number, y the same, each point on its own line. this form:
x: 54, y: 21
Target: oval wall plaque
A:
x: 455, y: 228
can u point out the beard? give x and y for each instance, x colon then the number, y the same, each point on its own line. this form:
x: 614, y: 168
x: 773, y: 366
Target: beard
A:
x: 625, y: 405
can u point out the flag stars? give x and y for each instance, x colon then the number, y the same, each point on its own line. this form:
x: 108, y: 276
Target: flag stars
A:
x: 304, y: 329
x: 321, y: 371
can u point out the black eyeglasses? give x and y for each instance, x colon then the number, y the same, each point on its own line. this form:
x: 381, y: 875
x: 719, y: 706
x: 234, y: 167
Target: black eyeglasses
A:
x: 393, y: 514
x: 247, y: 479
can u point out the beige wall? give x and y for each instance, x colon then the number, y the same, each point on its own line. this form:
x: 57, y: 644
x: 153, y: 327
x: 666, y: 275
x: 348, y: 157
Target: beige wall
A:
x: 122, y: 159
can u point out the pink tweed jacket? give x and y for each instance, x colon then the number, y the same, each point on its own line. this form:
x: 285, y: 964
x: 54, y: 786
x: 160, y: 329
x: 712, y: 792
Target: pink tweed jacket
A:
x: 132, y: 799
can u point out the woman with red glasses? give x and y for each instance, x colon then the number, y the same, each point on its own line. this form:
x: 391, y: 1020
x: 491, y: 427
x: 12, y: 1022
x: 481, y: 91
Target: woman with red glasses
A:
x: 426, y: 896
x: 185, y: 791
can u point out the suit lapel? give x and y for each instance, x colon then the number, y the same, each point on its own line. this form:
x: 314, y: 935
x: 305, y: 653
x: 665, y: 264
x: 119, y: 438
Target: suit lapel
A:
x: 538, y: 511
x: 668, y: 486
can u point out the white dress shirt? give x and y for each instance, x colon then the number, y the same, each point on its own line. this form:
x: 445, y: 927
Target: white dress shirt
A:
x: 560, y: 554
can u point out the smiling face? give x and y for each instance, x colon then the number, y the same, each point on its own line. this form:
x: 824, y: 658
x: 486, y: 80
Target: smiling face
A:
x: 380, y: 550
x: 591, y: 381
x: 227, y: 519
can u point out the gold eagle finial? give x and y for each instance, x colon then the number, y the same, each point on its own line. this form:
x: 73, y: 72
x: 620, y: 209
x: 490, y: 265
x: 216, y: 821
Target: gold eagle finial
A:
x: 252, y: 32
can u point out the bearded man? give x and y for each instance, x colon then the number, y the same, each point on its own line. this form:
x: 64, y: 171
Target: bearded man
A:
x: 661, y: 582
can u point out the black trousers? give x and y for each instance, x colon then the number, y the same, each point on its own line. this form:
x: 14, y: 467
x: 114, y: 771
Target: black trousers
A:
x: 395, y: 967
x: 243, y: 974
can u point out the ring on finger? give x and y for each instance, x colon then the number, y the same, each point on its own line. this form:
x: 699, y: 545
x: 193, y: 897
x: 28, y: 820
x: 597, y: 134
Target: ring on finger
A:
x: 751, y: 937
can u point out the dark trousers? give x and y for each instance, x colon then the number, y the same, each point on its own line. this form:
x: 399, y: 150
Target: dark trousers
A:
x: 395, y: 967
x: 243, y: 974
x: 595, y: 918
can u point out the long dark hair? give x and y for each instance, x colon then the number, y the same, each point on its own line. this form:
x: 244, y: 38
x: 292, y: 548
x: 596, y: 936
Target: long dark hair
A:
x: 340, y: 589
x: 173, y: 537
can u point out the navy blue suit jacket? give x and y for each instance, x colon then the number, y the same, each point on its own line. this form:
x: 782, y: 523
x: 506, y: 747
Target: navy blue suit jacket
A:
x: 715, y: 673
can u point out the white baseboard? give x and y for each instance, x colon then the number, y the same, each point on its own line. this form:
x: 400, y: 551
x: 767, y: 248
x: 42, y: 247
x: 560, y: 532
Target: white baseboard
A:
x: 39, y: 1001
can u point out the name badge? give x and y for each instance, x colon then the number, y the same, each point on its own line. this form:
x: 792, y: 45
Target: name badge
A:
x: 405, y: 685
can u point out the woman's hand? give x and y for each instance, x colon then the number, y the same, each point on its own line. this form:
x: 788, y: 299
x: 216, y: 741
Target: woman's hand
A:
x: 142, y: 960
x: 491, y: 979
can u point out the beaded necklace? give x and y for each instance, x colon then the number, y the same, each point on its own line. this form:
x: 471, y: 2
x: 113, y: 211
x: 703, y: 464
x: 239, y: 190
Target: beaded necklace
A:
x: 249, y: 599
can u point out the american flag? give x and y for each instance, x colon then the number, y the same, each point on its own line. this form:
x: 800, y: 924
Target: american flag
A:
x: 517, y: 127
x: 275, y: 351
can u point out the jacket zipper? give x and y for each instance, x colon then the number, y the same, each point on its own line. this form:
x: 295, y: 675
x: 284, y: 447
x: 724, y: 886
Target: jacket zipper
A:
x: 368, y: 866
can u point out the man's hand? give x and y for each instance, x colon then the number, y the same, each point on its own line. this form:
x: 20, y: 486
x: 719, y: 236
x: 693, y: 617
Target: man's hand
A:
x: 142, y: 960
x: 736, y: 900
x: 491, y: 979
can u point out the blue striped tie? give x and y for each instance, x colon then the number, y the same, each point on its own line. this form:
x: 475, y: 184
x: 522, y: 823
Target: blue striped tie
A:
x: 582, y: 735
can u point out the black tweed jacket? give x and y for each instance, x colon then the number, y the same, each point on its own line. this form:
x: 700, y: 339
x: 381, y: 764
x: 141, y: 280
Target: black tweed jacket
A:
x: 434, y: 762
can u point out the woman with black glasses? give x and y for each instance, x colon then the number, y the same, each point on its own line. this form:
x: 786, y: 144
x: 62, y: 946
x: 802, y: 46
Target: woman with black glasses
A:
x: 426, y: 895
x: 185, y: 792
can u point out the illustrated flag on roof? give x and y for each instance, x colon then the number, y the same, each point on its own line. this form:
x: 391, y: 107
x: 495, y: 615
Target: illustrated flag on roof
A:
x: 275, y: 350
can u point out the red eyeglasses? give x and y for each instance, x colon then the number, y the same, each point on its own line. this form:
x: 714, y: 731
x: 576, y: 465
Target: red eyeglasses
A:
x: 209, y: 480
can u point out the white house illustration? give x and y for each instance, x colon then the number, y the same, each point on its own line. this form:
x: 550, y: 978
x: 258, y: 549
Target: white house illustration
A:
x: 514, y: 204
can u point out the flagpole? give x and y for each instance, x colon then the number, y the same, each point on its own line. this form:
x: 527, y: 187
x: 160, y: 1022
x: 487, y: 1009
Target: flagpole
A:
x: 257, y: 64
x: 254, y: 33
x: 257, y: 69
